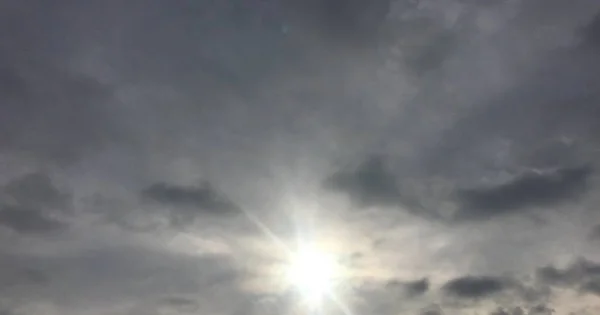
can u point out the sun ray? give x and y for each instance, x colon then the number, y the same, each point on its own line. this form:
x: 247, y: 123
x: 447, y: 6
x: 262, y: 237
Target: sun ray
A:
x: 312, y: 271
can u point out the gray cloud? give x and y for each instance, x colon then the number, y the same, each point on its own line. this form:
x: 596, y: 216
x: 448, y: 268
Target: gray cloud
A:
x: 433, y: 310
x: 472, y: 287
x: 203, y: 197
x: 502, y: 311
x: 531, y: 189
x: 417, y: 287
x: 63, y: 99
x: 26, y: 220
x: 445, y: 111
x: 178, y: 301
x: 582, y: 275
x: 594, y: 234
x: 351, y: 19
x: 371, y: 183
x: 540, y: 309
x: 32, y: 204
x: 410, y: 288
x: 35, y: 190
x: 591, y: 32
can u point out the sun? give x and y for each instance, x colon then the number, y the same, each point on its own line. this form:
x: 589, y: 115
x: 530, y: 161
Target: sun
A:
x: 312, y: 272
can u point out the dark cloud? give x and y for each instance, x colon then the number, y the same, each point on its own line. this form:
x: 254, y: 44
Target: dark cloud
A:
x: 574, y: 274
x: 179, y: 304
x: 178, y: 301
x: 530, y: 189
x: 471, y: 287
x: 35, y: 190
x: 27, y: 220
x: 190, y: 201
x: 31, y: 204
x: 541, y: 309
x: 417, y: 287
x: 582, y: 275
x: 501, y: 311
x: 410, y: 288
x: 592, y: 286
x: 371, y: 183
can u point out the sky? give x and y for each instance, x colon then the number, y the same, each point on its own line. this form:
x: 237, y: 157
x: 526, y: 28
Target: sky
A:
x: 160, y: 157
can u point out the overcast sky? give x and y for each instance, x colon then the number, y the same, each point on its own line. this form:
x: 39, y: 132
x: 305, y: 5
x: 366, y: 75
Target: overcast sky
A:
x: 154, y: 155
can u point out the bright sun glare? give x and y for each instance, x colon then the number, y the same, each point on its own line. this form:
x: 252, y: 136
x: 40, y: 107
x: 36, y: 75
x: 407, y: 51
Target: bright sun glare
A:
x: 312, y: 272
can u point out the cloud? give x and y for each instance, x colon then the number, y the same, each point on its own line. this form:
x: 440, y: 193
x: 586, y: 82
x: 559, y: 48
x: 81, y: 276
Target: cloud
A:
x: 435, y: 45
x: 374, y: 184
x: 26, y: 220
x: 127, y: 275
x: 347, y: 21
x: 432, y: 310
x: 534, y: 189
x: 35, y: 190
x: 417, y: 287
x: 591, y: 32
x: 444, y: 112
x: 205, y: 197
x: 189, y: 202
x: 371, y: 183
x: 501, y: 311
x: 41, y: 89
x: 540, y: 309
x: 178, y: 301
x: 582, y: 275
x: 410, y: 288
x: 472, y: 287
x: 31, y: 204
x: 594, y: 233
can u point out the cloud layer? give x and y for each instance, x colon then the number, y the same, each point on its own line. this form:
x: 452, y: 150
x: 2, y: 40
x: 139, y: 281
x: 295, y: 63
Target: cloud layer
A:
x: 161, y: 158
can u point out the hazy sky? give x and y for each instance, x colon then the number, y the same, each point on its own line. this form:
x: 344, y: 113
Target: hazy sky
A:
x: 154, y: 155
